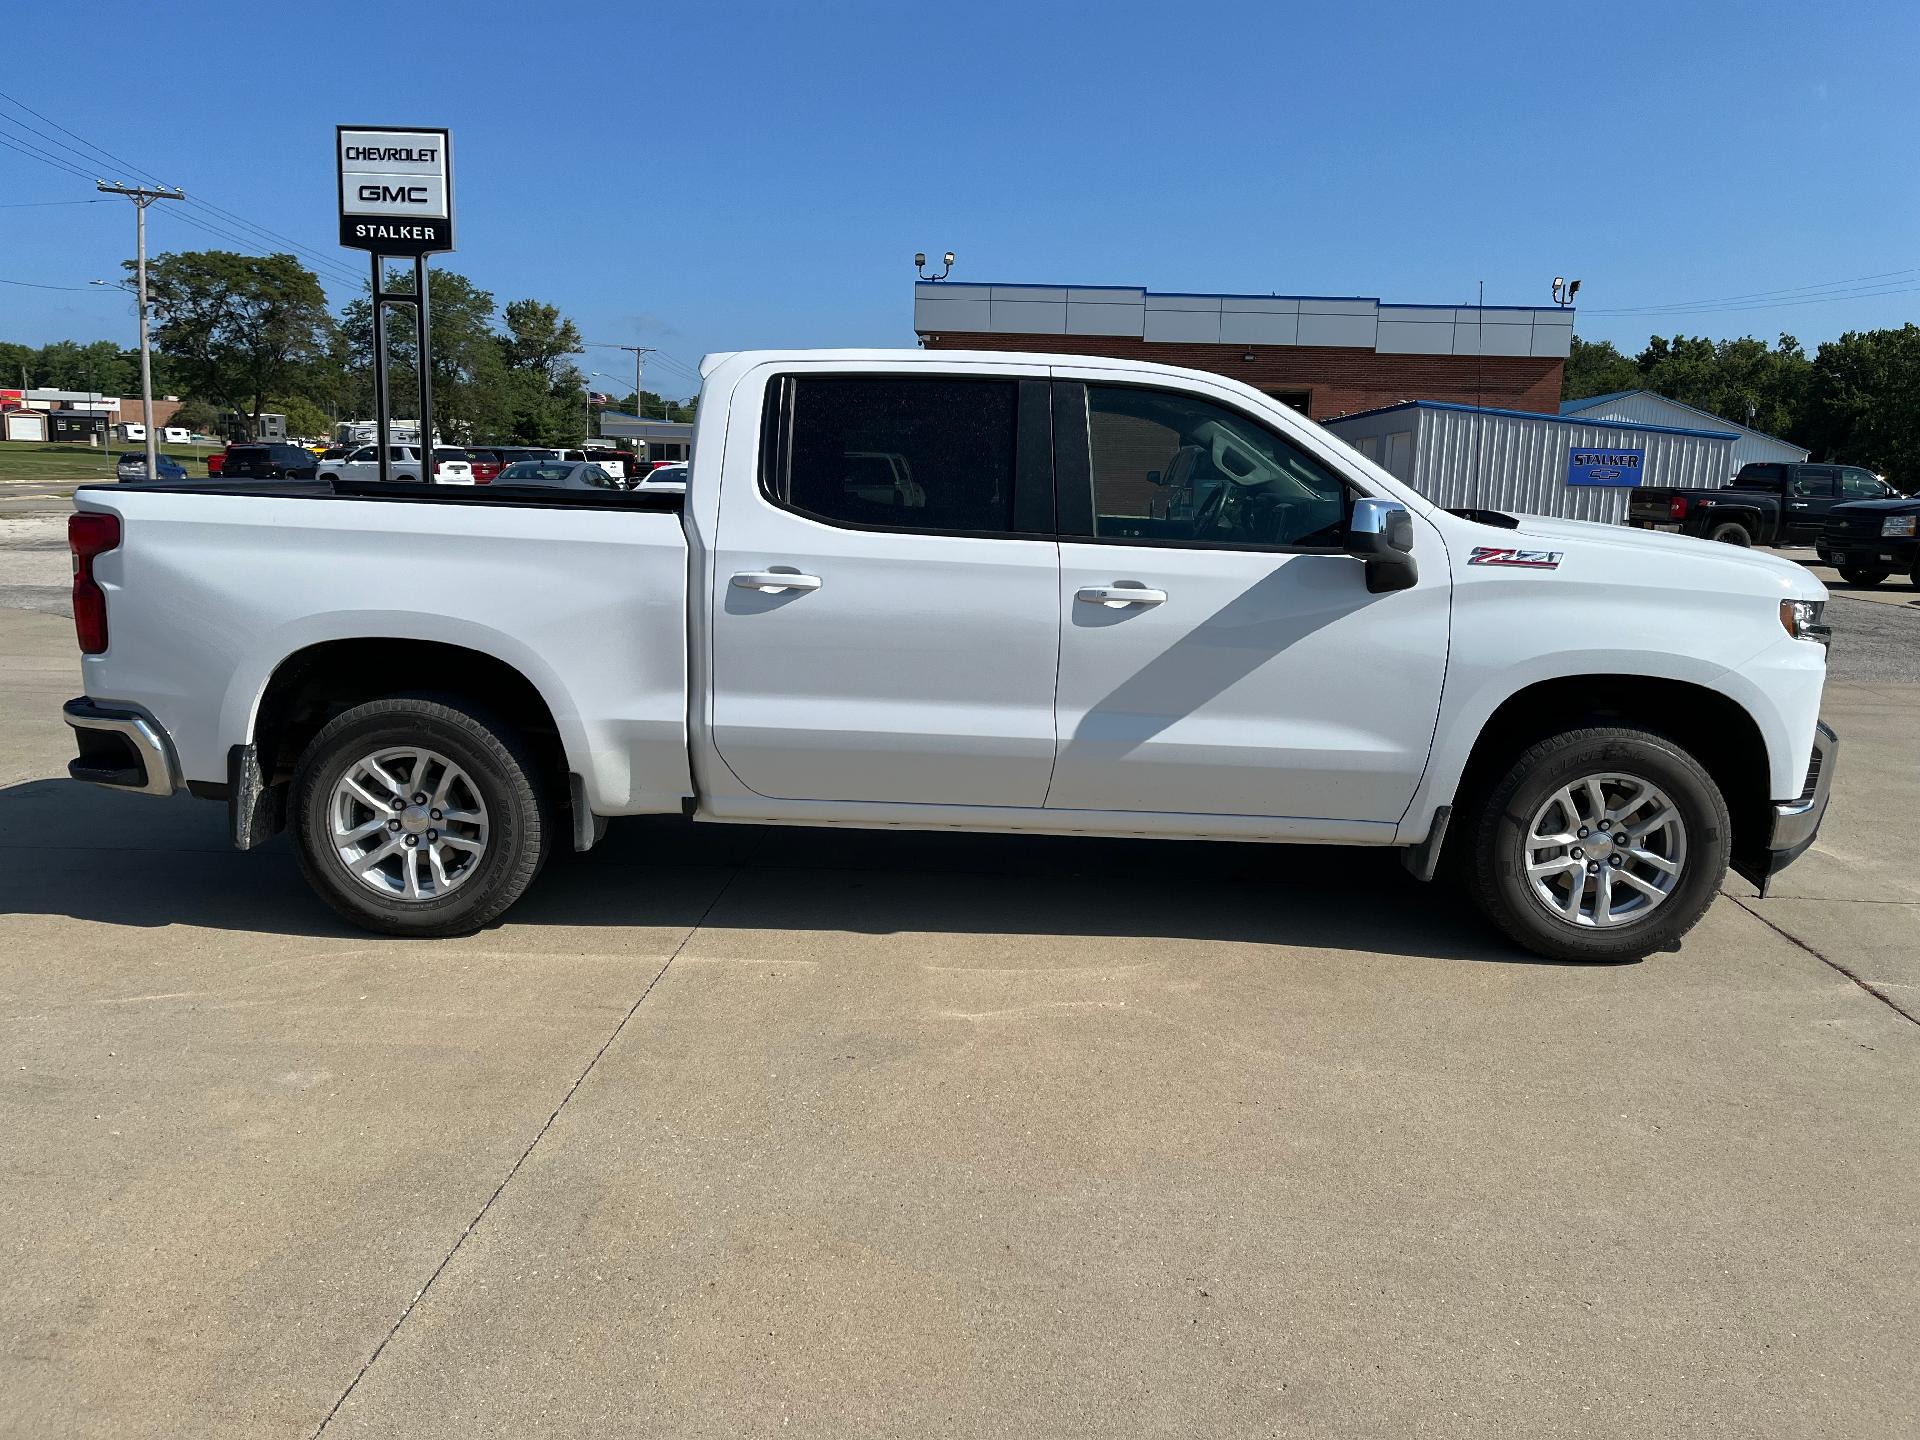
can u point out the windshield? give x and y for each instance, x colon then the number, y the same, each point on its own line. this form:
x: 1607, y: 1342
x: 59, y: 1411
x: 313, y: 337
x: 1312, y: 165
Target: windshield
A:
x: 538, y: 471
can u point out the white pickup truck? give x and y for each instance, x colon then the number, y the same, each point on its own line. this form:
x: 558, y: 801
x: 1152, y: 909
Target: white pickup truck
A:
x: 1069, y: 596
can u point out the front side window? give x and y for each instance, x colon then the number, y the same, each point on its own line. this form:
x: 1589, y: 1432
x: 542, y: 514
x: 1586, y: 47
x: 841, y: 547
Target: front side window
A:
x: 901, y: 454
x: 1861, y: 485
x: 1179, y: 470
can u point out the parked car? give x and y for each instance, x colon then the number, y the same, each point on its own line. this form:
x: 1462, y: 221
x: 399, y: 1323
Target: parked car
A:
x: 451, y: 466
x: 664, y: 477
x: 620, y: 465
x: 564, y: 474
x: 487, y: 465
x: 270, y: 462
x: 216, y: 462
x: 133, y: 466
x: 1868, y: 540
x: 431, y: 696
x: 1768, y: 503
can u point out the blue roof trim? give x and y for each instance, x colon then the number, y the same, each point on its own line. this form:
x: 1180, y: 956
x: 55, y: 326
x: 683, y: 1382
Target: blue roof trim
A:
x: 1439, y: 305
x: 1534, y: 415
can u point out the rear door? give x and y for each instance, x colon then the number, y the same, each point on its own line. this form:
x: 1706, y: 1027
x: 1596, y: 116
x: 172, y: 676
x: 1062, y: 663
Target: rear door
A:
x: 1219, y: 653
x: 887, y: 633
x: 1812, y: 491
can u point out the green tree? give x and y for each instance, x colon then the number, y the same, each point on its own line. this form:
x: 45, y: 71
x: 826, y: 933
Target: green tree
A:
x: 468, y: 373
x: 1595, y: 367
x: 198, y: 416
x: 1742, y: 380
x: 236, y: 328
x: 101, y: 366
x: 538, y: 337
x: 1863, y: 404
x: 658, y: 407
x: 303, y: 416
x: 17, y: 366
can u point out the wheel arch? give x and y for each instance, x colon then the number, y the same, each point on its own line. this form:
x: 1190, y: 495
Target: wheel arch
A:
x: 1713, y: 727
x: 313, y: 684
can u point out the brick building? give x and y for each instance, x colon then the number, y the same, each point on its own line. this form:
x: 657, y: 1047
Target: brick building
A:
x: 1326, y: 356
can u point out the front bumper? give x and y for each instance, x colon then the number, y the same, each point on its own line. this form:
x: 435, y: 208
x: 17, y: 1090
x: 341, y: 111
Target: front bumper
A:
x: 1890, y: 552
x: 121, y: 748
x: 1793, y: 824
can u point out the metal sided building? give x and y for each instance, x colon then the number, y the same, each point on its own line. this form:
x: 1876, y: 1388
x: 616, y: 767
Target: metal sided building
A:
x: 1644, y: 407
x: 1463, y: 457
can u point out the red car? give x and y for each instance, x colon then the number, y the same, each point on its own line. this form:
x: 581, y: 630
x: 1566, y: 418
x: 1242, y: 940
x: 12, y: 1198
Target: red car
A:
x: 486, y: 466
x: 217, y: 461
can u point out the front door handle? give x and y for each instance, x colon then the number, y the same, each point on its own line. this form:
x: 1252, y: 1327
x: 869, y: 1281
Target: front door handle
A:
x: 1796, y: 504
x: 773, y: 582
x: 1117, y: 597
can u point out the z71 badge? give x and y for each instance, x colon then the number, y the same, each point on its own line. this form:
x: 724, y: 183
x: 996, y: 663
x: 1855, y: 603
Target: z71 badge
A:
x: 1516, y: 559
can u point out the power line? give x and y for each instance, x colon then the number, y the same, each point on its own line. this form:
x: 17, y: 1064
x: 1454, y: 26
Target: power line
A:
x: 1790, y: 290
x: 44, y: 158
x: 1706, y: 309
x: 334, y: 267
x: 35, y: 204
x: 30, y: 285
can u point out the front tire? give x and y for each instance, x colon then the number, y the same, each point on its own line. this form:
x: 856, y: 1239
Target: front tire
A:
x: 1546, y: 866
x: 416, y: 817
x: 1855, y: 576
x: 1731, y: 533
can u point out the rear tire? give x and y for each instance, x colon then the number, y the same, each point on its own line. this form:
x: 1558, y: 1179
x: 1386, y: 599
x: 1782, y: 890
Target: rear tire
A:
x: 1505, y: 838
x: 1855, y: 576
x: 341, y: 815
x: 1731, y: 533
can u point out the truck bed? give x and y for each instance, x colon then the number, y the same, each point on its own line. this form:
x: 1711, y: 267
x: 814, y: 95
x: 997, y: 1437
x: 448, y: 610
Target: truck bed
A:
x: 214, y: 586
x: 524, y: 496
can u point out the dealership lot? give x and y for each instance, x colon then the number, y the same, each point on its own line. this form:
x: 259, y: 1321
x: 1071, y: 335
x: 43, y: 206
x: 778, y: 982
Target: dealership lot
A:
x: 730, y: 1130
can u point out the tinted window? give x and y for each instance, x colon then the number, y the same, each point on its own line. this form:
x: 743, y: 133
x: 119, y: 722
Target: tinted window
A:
x: 1817, y: 484
x: 1761, y: 477
x: 1861, y: 485
x: 935, y: 455
x: 1181, y: 470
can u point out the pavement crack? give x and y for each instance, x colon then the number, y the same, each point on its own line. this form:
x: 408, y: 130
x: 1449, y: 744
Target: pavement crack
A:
x: 1830, y: 963
x: 514, y: 1169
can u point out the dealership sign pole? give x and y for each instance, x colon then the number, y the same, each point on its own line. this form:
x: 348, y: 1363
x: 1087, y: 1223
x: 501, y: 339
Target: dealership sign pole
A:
x: 396, y: 198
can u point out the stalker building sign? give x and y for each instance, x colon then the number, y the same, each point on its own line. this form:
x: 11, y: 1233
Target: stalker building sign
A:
x: 396, y: 190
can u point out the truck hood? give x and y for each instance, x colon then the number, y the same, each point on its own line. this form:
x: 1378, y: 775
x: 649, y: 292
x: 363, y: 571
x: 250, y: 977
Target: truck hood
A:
x: 1760, y: 570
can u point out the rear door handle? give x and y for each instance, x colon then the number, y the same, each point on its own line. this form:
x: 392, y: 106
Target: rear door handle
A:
x: 1796, y: 504
x: 772, y: 582
x: 1116, y: 597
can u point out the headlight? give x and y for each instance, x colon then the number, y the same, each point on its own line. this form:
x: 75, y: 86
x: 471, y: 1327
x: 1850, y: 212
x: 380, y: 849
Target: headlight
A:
x: 1897, y: 525
x: 1802, y: 620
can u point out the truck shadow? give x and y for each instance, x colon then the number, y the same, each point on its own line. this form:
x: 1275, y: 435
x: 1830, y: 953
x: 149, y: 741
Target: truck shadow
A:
x: 123, y: 860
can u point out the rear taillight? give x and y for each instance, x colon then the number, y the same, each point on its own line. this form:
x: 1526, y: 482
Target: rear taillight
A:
x: 1677, y: 508
x: 90, y: 533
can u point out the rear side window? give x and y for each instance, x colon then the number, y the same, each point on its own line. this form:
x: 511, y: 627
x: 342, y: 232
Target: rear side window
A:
x: 935, y: 455
x: 1813, y: 484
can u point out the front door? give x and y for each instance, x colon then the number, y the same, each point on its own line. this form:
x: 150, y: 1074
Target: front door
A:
x: 886, y: 592
x: 1219, y: 654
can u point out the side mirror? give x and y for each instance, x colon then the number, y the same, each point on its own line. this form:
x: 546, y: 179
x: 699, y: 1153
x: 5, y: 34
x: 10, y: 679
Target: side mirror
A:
x: 1380, y: 532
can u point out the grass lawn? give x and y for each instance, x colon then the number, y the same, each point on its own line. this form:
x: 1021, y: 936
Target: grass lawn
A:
x: 74, y: 464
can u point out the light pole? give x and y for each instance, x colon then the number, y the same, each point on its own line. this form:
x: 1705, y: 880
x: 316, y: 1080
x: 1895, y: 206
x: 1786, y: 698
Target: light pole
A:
x: 143, y: 197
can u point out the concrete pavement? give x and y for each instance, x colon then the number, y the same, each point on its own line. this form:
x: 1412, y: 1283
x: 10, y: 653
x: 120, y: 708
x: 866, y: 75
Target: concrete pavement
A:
x: 736, y: 1131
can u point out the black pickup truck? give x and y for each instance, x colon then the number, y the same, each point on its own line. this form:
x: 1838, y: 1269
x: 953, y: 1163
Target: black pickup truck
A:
x: 1768, y: 503
x: 1871, y: 539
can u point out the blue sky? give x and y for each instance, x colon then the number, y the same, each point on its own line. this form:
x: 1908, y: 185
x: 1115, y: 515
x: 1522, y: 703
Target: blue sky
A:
x: 719, y: 175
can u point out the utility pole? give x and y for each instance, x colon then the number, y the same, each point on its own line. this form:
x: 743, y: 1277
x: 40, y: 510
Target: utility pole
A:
x: 143, y: 197
x: 640, y: 353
